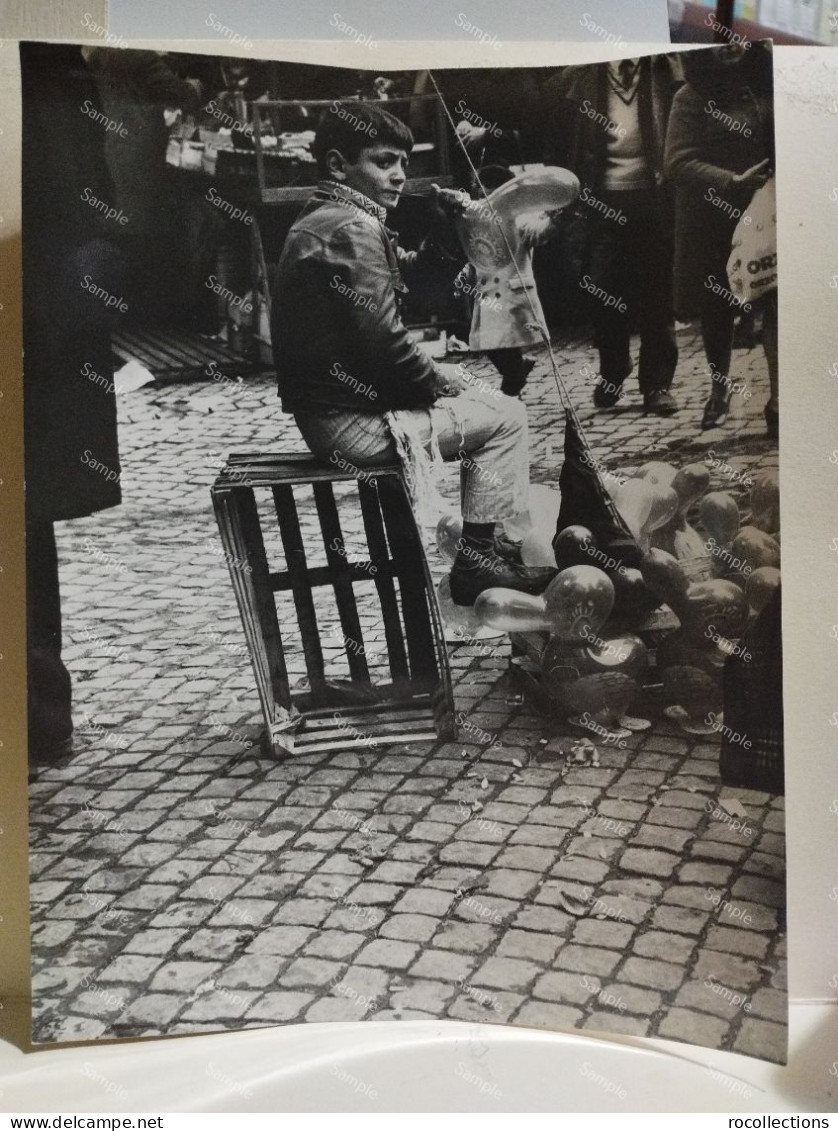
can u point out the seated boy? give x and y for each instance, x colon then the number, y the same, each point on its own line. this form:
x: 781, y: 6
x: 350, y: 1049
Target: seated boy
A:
x: 357, y: 384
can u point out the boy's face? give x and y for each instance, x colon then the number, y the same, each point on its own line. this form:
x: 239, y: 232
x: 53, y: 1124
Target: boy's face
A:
x: 379, y: 172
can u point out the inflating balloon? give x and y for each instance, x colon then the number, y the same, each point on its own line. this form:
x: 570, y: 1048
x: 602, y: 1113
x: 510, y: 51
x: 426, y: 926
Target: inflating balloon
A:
x: 511, y: 611
x: 572, y: 546
x: 754, y: 548
x: 449, y: 530
x: 455, y: 616
x: 666, y: 578
x: 579, y: 600
x: 720, y: 516
x: 645, y: 505
x: 718, y: 605
x: 537, y: 549
x: 760, y: 587
x: 765, y: 502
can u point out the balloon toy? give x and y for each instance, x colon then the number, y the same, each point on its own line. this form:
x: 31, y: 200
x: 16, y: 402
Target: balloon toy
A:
x: 507, y: 610
x: 760, y: 587
x: 599, y: 678
x: 754, y: 549
x: 677, y: 537
x: 665, y: 576
x: 572, y: 546
x: 765, y: 502
x: 720, y: 518
x: 544, y: 506
x: 579, y: 600
x: 456, y: 617
x: 657, y: 472
x: 645, y: 506
x: 537, y: 548
x: 449, y: 530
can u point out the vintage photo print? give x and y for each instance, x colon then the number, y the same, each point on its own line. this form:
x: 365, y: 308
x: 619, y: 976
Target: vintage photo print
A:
x: 403, y: 547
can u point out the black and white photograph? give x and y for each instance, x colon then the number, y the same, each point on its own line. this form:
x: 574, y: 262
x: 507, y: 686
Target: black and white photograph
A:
x: 402, y: 546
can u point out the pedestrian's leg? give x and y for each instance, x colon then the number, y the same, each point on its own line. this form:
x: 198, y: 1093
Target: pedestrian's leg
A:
x: 612, y: 326
x: 717, y: 319
x: 651, y: 266
x: 49, y: 689
x: 769, y: 344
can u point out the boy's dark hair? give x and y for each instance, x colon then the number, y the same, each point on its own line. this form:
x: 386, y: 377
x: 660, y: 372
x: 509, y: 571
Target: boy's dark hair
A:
x: 350, y: 127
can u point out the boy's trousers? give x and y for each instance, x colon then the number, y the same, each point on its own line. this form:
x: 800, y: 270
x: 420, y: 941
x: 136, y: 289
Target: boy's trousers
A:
x: 484, y: 429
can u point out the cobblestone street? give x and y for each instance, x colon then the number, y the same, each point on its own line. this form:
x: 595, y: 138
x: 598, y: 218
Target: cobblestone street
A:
x: 184, y: 882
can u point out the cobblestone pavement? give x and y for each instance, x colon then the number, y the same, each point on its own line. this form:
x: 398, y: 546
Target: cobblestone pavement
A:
x: 183, y: 883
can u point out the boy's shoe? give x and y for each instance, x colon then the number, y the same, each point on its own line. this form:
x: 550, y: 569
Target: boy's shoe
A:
x: 482, y: 568
x: 513, y: 386
x: 660, y: 402
x: 508, y: 548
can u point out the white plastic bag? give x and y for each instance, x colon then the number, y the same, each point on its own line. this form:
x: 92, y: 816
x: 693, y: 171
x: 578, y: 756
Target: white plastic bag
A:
x: 752, y: 266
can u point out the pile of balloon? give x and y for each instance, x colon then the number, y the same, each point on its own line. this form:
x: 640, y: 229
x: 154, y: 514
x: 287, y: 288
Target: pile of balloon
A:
x: 604, y: 632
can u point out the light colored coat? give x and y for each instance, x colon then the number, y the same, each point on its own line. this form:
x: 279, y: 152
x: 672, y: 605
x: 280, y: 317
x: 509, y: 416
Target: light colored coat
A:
x: 505, y: 300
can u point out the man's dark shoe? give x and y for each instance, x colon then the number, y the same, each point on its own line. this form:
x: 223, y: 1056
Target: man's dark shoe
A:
x: 607, y: 393
x: 478, y: 567
x: 715, y: 411
x: 660, y: 402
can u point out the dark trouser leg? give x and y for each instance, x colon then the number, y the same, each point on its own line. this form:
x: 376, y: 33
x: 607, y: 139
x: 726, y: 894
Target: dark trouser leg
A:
x: 512, y: 367
x: 717, y: 318
x: 50, y: 695
x: 650, y: 259
x: 769, y: 344
x: 612, y: 326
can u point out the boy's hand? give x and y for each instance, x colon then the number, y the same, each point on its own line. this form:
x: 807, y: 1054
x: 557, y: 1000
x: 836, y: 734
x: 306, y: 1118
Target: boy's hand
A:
x: 449, y: 381
x: 449, y: 204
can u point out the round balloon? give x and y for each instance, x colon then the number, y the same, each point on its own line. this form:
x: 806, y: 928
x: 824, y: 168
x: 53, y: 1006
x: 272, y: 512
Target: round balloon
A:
x: 666, y: 578
x: 754, y: 548
x: 717, y: 605
x: 449, y: 530
x: 537, y: 549
x: 760, y: 587
x: 579, y: 599
x: 572, y: 546
x: 720, y: 516
x: 511, y: 611
x: 765, y: 502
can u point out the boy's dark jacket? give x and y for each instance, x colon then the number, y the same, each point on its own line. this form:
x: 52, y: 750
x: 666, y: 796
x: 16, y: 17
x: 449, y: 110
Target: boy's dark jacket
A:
x: 337, y: 333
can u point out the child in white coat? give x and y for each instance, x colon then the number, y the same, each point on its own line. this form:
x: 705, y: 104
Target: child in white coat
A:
x: 505, y: 302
